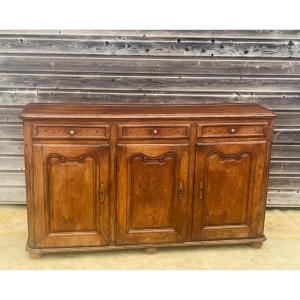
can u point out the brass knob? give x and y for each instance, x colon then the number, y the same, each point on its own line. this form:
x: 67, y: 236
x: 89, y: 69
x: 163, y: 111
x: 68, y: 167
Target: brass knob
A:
x: 72, y: 132
x: 232, y: 130
x: 155, y: 131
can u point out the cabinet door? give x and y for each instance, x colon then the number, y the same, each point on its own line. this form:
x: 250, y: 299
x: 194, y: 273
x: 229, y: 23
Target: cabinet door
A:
x: 71, y: 194
x: 152, y: 193
x: 228, y: 190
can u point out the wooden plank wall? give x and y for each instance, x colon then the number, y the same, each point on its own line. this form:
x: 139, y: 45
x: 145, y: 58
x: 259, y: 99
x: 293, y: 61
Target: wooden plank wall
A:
x: 153, y: 66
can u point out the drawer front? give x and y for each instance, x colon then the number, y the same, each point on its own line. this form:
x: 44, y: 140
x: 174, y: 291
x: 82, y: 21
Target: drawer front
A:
x: 73, y: 132
x: 231, y: 130
x: 154, y: 132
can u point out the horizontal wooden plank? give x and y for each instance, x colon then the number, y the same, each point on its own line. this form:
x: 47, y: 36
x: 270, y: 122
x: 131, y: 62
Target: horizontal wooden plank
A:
x: 14, y: 97
x: 11, y: 147
x: 285, y: 167
x: 285, y: 118
x: 285, y: 198
x: 185, y: 46
x: 14, y: 132
x: 10, y: 115
x: 143, y: 65
x: 12, y: 195
x: 150, y: 83
x: 287, y: 135
x: 284, y: 182
x: 11, y: 163
x: 272, y: 101
x: 48, y: 96
x: 55, y: 96
x: 285, y: 151
x: 12, y: 179
x: 263, y: 34
x: 275, y: 101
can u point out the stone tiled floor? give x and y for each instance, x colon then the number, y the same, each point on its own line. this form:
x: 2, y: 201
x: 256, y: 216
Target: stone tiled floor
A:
x: 280, y: 251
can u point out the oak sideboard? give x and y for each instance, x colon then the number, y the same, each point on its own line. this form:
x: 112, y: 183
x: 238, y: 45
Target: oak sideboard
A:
x: 114, y: 176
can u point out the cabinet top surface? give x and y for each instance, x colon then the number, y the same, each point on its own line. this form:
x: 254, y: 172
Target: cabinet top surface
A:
x: 115, y: 111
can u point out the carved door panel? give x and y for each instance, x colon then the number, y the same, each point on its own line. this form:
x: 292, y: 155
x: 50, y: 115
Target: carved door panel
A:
x: 228, y: 190
x: 71, y: 195
x: 152, y: 193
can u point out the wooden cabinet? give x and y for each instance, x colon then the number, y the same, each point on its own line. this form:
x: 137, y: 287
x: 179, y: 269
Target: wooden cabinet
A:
x: 126, y: 176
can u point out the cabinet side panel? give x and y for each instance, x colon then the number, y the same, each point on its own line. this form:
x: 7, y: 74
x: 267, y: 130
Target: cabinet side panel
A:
x: 30, y: 200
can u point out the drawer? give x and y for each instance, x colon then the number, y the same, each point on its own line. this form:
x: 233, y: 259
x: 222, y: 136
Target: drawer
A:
x: 154, y: 131
x: 231, y: 130
x: 73, y: 132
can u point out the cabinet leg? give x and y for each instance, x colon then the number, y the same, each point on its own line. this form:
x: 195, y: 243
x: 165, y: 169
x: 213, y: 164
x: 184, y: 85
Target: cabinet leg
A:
x: 150, y: 250
x: 35, y: 255
x: 256, y: 245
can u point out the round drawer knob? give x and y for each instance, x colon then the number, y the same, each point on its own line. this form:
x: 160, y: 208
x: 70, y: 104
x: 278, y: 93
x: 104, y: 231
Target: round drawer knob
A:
x: 232, y: 130
x: 72, y: 132
x: 155, y: 131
